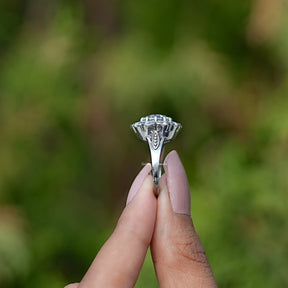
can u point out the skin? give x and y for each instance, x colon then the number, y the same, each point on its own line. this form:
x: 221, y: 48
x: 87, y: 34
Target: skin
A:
x: 178, y: 255
x: 161, y: 223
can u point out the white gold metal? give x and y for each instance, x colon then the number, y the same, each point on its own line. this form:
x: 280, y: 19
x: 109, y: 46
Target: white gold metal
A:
x: 157, y: 130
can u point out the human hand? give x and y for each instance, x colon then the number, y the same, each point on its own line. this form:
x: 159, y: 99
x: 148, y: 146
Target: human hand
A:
x: 165, y: 224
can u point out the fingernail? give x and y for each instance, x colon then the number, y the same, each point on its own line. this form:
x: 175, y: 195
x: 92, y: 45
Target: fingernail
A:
x: 138, y: 181
x: 177, y: 183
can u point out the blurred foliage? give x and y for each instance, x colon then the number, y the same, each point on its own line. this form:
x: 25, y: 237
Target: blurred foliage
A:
x: 75, y: 74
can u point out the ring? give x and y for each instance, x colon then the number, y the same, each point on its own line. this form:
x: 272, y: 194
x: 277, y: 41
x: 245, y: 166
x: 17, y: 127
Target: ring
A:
x: 157, y: 130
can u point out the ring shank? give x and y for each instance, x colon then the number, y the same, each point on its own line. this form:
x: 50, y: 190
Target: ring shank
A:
x: 156, y: 160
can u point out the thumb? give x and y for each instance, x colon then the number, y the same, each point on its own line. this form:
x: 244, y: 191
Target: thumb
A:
x: 178, y: 255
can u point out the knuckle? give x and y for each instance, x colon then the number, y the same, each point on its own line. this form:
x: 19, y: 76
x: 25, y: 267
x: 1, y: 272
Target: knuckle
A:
x: 132, y: 229
x: 189, y: 249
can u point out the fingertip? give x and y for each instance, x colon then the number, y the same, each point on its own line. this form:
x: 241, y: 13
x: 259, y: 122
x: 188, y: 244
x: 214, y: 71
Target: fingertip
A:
x: 119, y: 261
x: 170, y: 154
x: 138, y: 181
x: 142, y: 208
x: 146, y: 188
x: 177, y: 183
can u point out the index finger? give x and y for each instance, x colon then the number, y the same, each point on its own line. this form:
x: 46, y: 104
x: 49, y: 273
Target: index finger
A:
x: 119, y: 261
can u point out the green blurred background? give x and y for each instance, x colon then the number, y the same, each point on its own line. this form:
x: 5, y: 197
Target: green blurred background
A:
x: 75, y: 74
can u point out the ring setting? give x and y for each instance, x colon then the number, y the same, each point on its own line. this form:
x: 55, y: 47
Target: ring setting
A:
x: 157, y: 130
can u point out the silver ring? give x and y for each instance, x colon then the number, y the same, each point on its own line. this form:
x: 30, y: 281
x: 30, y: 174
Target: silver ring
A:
x: 157, y: 130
